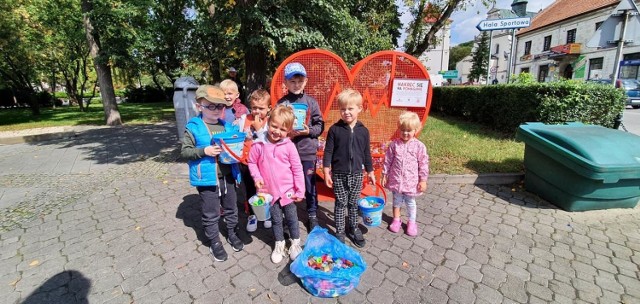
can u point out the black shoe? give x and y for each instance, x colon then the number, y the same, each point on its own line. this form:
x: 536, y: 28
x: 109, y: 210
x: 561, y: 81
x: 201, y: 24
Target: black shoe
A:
x: 313, y: 222
x: 357, y: 238
x: 218, y: 253
x: 340, y: 237
x: 235, y: 241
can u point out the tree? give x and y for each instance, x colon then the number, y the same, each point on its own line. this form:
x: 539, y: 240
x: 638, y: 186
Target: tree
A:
x: 103, y: 69
x: 458, y: 52
x: 437, y: 12
x: 480, y: 58
x: 262, y: 33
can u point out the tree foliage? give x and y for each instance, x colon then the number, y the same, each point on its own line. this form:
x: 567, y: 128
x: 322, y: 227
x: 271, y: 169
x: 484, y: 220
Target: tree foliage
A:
x: 480, y: 58
x: 428, y: 18
x: 458, y: 52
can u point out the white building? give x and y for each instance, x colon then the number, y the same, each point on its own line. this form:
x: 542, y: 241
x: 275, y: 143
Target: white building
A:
x: 554, y: 46
x: 436, y: 58
x: 500, y: 49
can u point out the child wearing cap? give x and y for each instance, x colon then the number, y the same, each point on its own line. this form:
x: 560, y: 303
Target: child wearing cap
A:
x: 214, y: 181
x: 306, y: 140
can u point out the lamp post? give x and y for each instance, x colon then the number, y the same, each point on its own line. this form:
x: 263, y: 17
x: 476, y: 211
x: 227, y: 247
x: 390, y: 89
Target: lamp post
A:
x: 519, y: 7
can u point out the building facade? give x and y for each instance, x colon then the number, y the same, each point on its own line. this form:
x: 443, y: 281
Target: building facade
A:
x: 555, y: 45
x: 436, y: 58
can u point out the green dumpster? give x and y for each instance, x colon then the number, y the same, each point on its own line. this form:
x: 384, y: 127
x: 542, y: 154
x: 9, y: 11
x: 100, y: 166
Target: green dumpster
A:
x: 581, y: 167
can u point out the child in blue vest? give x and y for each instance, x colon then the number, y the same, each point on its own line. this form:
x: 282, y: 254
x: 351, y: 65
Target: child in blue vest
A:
x: 214, y: 181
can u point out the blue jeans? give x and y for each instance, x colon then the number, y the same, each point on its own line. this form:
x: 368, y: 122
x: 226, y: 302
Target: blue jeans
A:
x: 310, y: 193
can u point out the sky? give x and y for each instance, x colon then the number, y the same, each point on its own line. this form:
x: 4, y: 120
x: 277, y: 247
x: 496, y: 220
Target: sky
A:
x: 463, y: 28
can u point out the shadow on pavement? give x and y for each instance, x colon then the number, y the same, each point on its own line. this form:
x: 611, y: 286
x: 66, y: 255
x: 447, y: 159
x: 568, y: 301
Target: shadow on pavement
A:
x: 64, y: 287
x: 190, y: 212
x: 516, y: 195
x: 124, y: 144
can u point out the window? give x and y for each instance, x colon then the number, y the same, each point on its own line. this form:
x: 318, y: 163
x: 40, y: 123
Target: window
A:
x: 527, y: 47
x: 543, y: 73
x: 524, y: 70
x: 497, y: 49
x: 571, y: 36
x: 598, y: 24
x: 595, y: 68
x: 547, y: 43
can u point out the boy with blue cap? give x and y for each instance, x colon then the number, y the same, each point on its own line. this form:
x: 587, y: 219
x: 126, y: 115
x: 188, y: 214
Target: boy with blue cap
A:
x: 306, y: 140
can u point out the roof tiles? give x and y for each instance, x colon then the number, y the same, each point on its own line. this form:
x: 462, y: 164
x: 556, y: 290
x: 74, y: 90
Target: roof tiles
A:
x: 565, y: 9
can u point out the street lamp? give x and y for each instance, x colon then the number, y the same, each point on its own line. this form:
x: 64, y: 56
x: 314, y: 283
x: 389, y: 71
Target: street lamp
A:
x: 519, y: 7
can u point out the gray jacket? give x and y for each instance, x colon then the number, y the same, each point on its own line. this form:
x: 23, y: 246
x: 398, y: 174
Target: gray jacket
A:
x: 307, y: 145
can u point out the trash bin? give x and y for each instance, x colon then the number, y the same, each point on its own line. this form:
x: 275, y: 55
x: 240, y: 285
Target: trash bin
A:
x: 581, y: 167
x: 184, y: 102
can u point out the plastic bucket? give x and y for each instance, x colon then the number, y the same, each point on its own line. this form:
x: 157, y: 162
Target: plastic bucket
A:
x: 300, y: 112
x: 371, y: 208
x: 260, y: 205
x: 232, y: 144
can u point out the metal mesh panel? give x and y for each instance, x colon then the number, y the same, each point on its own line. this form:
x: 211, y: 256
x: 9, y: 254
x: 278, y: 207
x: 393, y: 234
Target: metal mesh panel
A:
x: 373, y: 76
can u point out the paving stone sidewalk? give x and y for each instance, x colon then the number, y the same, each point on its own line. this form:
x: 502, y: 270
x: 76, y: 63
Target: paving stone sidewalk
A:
x: 108, y: 216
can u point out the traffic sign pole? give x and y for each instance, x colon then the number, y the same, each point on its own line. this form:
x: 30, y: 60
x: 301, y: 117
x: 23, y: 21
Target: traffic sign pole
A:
x: 489, y: 62
x: 616, y: 66
x: 512, y: 54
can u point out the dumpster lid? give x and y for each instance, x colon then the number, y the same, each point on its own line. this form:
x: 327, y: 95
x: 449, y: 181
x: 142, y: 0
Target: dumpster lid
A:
x: 185, y: 82
x: 602, y: 149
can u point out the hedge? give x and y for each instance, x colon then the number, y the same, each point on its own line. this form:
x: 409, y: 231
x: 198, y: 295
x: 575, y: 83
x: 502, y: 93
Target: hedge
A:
x: 504, y: 107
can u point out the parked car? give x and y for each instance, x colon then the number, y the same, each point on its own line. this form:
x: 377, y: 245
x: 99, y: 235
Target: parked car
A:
x: 631, y: 88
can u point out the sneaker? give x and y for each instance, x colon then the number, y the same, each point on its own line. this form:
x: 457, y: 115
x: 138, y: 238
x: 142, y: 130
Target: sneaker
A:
x: 252, y: 223
x: 267, y: 224
x: 295, y: 249
x: 357, y: 238
x: 340, y: 236
x: 278, y: 252
x: 313, y: 222
x: 218, y: 252
x: 412, y: 228
x: 395, y: 225
x: 235, y: 241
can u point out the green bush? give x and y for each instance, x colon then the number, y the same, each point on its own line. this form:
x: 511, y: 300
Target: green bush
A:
x: 504, y: 107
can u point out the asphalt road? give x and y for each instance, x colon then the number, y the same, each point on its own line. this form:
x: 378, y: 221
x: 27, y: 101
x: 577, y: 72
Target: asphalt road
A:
x: 631, y: 120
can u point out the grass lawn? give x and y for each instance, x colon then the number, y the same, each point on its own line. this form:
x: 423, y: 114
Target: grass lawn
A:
x: 455, y: 146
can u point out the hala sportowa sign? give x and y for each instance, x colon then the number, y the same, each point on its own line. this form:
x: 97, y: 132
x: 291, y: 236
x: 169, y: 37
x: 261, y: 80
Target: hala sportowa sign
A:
x: 409, y: 93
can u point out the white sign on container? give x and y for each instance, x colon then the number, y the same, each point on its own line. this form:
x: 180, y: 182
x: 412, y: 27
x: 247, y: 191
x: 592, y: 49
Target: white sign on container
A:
x: 409, y: 93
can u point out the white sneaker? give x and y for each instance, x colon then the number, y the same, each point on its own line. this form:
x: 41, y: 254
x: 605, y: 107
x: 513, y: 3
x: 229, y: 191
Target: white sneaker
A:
x: 278, y: 252
x: 267, y: 224
x: 295, y: 249
x: 252, y: 223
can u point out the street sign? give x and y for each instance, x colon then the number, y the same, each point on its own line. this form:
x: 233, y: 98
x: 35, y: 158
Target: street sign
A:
x: 453, y: 74
x: 502, y: 24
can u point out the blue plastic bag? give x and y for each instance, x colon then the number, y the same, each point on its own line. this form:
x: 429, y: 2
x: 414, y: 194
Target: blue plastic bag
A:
x: 337, y: 281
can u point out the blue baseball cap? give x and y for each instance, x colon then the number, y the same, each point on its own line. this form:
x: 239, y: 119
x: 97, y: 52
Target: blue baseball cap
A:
x: 293, y: 69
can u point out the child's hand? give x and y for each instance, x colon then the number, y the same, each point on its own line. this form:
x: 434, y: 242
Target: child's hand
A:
x: 327, y: 177
x: 257, y: 123
x: 422, y: 186
x: 212, y: 150
x: 372, y: 178
x: 384, y: 181
x: 303, y: 132
x: 296, y: 199
x: 259, y: 185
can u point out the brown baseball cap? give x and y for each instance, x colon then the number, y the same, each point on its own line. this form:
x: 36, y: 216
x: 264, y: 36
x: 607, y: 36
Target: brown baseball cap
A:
x: 213, y: 94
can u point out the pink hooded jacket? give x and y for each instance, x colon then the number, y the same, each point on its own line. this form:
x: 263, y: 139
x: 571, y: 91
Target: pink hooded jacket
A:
x: 405, y: 165
x: 278, y: 166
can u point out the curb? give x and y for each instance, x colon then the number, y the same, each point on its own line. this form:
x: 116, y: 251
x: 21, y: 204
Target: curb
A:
x: 36, y: 138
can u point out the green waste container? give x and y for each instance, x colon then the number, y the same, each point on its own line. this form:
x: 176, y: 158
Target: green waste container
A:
x: 581, y: 167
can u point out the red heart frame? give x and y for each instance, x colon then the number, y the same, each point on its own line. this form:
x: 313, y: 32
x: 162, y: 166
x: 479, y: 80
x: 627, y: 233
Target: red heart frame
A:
x: 328, y: 75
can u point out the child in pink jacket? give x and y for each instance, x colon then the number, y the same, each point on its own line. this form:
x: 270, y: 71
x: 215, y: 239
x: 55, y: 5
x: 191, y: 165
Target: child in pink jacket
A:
x: 405, y: 171
x: 276, y: 169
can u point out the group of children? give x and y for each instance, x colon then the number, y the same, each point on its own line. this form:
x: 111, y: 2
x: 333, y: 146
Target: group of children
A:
x: 282, y: 163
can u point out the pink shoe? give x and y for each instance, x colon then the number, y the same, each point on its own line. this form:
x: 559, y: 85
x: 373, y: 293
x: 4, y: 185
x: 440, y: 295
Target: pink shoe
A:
x: 395, y: 225
x: 412, y: 228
